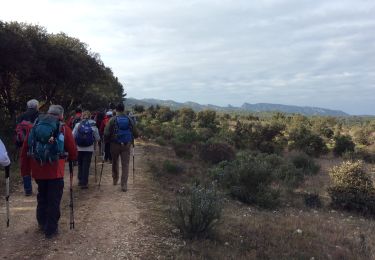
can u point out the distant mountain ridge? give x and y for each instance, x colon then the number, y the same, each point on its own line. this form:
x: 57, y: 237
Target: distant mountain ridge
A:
x: 259, y: 107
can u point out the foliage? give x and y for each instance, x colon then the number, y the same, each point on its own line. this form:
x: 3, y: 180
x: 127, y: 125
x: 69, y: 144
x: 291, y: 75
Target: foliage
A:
x: 248, y: 179
x: 305, y: 163
x: 352, y: 188
x: 164, y: 114
x: 186, y: 117
x: 343, y: 143
x: 207, y: 119
x: 197, y: 211
x: 312, y: 200
x: 305, y: 140
x: 216, y: 152
x: 53, y: 68
x: 257, y: 136
x: 172, y: 167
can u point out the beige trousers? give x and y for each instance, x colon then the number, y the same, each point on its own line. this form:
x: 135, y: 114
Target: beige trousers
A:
x: 122, y: 151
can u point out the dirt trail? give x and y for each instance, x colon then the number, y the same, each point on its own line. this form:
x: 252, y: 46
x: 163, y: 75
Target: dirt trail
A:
x: 110, y: 224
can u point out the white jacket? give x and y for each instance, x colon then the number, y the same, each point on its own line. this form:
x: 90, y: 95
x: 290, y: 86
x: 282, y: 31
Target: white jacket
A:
x: 96, y: 136
x: 4, y: 159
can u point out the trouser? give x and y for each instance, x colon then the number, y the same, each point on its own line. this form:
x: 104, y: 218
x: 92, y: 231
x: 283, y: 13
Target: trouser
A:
x: 27, y: 185
x: 84, y: 160
x: 122, y: 151
x: 107, y: 152
x: 48, y: 209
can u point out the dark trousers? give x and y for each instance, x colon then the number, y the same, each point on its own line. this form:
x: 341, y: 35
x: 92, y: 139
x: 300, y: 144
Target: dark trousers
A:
x: 48, y: 208
x: 107, y: 152
x: 84, y: 161
x: 27, y: 185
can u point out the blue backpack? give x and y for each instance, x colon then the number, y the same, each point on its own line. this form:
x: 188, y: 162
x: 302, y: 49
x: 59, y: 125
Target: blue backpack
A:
x: 123, y: 130
x: 46, y: 141
x: 85, y: 135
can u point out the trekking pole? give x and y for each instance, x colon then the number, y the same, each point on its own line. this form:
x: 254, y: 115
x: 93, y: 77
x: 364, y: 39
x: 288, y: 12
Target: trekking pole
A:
x: 101, y: 170
x: 133, y: 160
x: 96, y: 179
x: 7, y: 193
x: 71, y: 196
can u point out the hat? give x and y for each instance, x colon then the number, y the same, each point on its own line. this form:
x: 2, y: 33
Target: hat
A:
x: 33, y: 103
x: 56, y: 110
x: 109, y: 113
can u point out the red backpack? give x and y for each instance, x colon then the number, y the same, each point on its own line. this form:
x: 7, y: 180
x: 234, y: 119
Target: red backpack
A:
x: 22, y: 129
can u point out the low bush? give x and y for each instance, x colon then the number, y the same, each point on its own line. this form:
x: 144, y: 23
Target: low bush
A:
x: 172, y: 167
x: 196, y: 211
x: 352, y: 188
x: 305, y: 163
x: 306, y: 141
x: 248, y: 178
x: 183, y: 150
x: 343, y: 143
x: 312, y: 200
x: 216, y: 152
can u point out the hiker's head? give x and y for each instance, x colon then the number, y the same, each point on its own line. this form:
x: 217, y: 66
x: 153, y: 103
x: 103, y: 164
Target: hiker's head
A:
x: 33, y: 104
x: 56, y: 110
x: 120, y: 107
x: 78, y: 110
x: 109, y: 113
x: 86, y: 115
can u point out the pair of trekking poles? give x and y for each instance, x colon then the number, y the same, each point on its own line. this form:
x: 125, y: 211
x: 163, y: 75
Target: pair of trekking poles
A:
x: 7, y: 196
x: 101, y: 170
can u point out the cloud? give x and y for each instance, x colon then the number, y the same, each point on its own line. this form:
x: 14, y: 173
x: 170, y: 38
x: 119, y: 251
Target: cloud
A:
x: 316, y: 53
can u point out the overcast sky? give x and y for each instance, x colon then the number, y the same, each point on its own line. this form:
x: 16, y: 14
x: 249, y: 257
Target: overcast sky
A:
x: 294, y: 52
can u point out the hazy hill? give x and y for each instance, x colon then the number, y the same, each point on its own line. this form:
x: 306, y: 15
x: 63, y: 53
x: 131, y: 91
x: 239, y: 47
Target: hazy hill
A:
x: 260, y: 107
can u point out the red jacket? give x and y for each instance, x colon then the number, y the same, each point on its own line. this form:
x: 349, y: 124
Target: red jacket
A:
x: 49, y: 171
x: 103, y: 124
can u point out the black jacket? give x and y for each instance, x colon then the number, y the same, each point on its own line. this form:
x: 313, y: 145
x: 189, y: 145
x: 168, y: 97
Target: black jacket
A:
x: 30, y: 115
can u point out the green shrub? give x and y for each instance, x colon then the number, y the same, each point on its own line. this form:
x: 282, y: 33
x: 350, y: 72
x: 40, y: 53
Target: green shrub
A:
x: 172, y: 167
x: 207, y: 119
x: 186, y: 136
x: 343, y: 143
x: 305, y: 163
x: 305, y: 140
x: 312, y: 200
x: 183, y: 150
x: 197, y: 211
x: 249, y: 179
x: 160, y: 140
x: 352, y: 188
x: 359, y: 154
x: 216, y: 152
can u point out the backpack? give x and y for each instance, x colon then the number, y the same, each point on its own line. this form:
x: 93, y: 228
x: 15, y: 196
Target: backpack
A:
x: 22, y: 129
x: 85, y: 134
x: 123, y: 130
x: 46, y: 141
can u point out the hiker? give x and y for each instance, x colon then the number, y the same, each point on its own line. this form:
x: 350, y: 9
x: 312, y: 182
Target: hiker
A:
x: 86, y: 134
x: 74, y: 119
x: 107, y: 145
x: 99, y: 116
x: 120, y: 132
x: 23, y: 125
x: 43, y: 157
x: 4, y: 158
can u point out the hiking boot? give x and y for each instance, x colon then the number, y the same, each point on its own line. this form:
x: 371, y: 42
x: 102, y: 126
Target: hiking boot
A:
x: 84, y: 186
x: 124, y: 188
x: 51, y: 235
x: 115, y: 182
x: 28, y: 194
